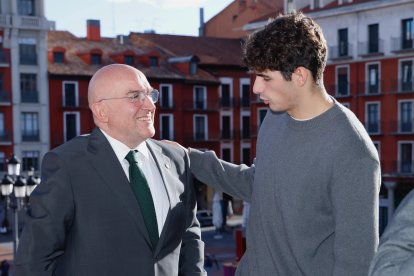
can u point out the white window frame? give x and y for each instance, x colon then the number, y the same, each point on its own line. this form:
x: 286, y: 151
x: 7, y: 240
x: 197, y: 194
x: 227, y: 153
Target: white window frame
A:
x: 171, y: 124
x: 244, y: 146
x: 205, y: 125
x: 244, y: 113
x: 229, y: 82
x: 170, y: 95
x: 412, y: 154
x: 348, y: 80
x: 258, y: 116
x: 367, y: 78
x: 229, y: 146
x: 226, y: 114
x: 204, y: 91
x: 400, y: 77
x: 243, y: 81
x: 77, y: 113
x: 76, y: 92
x: 367, y: 116
x: 399, y: 114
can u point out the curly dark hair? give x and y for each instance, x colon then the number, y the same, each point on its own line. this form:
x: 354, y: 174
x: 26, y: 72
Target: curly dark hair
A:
x: 284, y: 44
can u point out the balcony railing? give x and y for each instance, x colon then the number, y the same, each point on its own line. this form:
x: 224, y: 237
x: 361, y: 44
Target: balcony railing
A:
x: 371, y: 48
x: 201, y: 105
x: 400, y: 44
x: 5, y: 20
x: 30, y: 137
x: 30, y: 22
x: 167, y: 105
x: 373, y: 127
x: 227, y: 102
x: 337, y: 52
x: 28, y: 59
x: 167, y: 135
x: 402, y: 127
x: 29, y: 96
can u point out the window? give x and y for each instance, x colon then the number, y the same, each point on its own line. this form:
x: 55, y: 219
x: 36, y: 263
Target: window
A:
x: 72, y: 126
x: 27, y: 51
x: 200, y: 127
x: 372, y: 78
x: 406, y: 116
x: 2, y: 130
x: 225, y: 95
x: 95, y: 59
x: 226, y: 127
x: 406, y: 157
x: 129, y: 59
x: 245, y: 158
x: 373, y: 38
x: 30, y: 126
x: 3, y: 166
x: 342, y: 88
x: 4, y: 96
x: 30, y: 159
x: 70, y: 94
x: 200, y: 97
x: 407, y: 75
x: 193, y: 68
x: 153, y: 61
x: 226, y: 154
x: 26, y: 7
x: 372, y: 118
x: 245, y: 94
x: 245, y: 126
x: 343, y: 42
x: 407, y: 34
x: 166, y: 100
x: 58, y: 57
x: 28, y: 88
x: 166, y: 126
x: 261, y: 115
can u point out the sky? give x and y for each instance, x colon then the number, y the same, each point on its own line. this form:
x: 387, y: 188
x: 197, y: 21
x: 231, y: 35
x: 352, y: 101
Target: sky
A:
x: 180, y: 17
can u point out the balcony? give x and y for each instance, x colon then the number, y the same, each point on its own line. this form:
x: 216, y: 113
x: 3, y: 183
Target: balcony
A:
x: 169, y: 106
x: 167, y: 135
x: 5, y: 21
x: 28, y: 59
x: 201, y: 136
x: 339, y: 53
x: 373, y: 128
x: 227, y: 102
x: 30, y: 22
x: 5, y: 97
x: 30, y: 137
x: 366, y: 49
x: 401, y: 127
x: 29, y: 96
x: 71, y: 102
x: 341, y: 91
x: 201, y: 106
x: 398, y: 44
x: 368, y: 89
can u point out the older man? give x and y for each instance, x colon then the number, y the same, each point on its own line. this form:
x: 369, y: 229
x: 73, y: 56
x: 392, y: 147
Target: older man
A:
x: 114, y: 202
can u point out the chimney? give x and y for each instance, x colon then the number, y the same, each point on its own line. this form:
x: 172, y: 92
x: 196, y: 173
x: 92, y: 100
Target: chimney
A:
x: 93, y: 31
x: 201, y: 28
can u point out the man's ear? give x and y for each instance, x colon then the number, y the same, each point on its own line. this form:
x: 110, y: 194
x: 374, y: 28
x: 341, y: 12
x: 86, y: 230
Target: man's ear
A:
x: 100, y: 112
x: 300, y: 76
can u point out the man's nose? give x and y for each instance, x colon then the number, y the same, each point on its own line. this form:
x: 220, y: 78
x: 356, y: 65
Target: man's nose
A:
x: 257, y: 86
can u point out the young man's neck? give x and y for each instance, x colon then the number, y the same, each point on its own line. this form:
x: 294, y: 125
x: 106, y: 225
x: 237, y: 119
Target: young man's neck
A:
x: 312, y: 104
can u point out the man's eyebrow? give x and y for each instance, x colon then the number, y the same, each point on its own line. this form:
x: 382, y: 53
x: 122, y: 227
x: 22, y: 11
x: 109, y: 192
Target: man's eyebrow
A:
x: 261, y: 75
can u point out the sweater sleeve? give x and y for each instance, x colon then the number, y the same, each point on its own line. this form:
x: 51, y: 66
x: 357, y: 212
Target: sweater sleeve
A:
x: 355, y: 188
x: 395, y: 254
x: 235, y: 180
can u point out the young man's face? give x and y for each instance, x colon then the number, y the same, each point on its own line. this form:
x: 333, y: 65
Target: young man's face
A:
x: 278, y: 93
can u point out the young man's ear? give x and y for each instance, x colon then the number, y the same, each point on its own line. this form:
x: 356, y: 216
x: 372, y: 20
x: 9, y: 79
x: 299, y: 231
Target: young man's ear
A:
x: 300, y: 76
x: 99, y: 111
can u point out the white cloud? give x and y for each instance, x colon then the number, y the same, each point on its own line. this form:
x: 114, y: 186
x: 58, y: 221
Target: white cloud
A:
x: 119, y: 1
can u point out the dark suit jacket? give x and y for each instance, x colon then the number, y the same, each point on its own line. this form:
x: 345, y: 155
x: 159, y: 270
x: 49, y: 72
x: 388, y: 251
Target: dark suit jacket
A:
x: 84, y: 219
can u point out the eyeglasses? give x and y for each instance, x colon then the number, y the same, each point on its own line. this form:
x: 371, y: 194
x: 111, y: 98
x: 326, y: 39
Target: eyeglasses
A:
x: 137, y: 96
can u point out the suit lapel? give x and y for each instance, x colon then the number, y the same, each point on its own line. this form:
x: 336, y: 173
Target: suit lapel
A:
x: 164, y: 165
x: 106, y: 164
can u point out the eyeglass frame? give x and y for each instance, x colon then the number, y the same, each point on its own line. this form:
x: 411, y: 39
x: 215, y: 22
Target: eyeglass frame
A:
x: 137, y: 95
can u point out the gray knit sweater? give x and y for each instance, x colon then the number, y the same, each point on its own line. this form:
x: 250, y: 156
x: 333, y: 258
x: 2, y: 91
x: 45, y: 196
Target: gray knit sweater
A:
x: 313, y: 192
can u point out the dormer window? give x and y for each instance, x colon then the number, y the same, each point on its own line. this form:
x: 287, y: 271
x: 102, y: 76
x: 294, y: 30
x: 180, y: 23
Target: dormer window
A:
x: 95, y: 59
x: 129, y: 59
x: 193, y: 68
x: 153, y: 61
x: 58, y: 57
x: 26, y: 7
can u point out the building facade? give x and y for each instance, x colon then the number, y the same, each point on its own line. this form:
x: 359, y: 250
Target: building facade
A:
x: 24, y: 112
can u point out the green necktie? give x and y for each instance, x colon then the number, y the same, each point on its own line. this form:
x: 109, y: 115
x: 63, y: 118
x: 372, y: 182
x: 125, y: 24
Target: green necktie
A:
x: 143, y: 194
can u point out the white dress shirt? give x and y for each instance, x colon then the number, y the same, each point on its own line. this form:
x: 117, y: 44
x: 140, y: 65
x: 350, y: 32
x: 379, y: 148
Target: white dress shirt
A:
x: 148, y: 166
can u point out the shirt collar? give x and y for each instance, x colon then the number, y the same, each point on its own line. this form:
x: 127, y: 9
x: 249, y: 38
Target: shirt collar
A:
x: 121, y: 150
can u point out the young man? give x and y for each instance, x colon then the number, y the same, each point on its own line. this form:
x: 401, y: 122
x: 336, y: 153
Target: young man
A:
x: 114, y: 202
x: 314, y: 185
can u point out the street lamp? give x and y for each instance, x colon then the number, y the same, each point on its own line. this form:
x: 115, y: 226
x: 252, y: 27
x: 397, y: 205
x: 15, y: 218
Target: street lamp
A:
x: 15, y: 188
